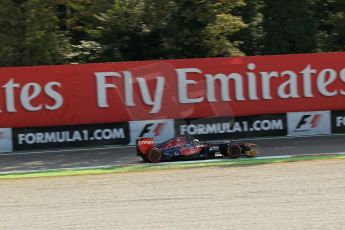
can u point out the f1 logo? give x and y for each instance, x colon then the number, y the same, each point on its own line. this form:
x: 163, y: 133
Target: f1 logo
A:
x: 155, y: 128
x: 309, y: 119
x: 159, y: 130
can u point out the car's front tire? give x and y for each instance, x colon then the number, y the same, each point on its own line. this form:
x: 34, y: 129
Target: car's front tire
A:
x: 233, y: 151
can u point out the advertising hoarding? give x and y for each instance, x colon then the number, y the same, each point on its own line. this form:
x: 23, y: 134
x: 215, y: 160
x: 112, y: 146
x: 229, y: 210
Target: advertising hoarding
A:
x: 159, y: 130
x: 338, y: 121
x: 6, y: 144
x: 69, y: 136
x: 229, y: 127
x: 309, y: 123
x: 170, y: 89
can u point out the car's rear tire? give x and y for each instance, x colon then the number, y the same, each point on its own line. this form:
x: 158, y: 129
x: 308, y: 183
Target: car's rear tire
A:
x: 154, y: 155
x: 233, y: 151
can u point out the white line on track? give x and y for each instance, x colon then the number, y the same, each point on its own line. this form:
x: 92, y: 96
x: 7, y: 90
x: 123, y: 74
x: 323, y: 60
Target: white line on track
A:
x: 162, y: 163
x: 257, y: 158
x: 66, y: 150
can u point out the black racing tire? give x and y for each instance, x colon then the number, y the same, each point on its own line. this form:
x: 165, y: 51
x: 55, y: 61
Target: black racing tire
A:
x: 233, y: 151
x: 154, y: 155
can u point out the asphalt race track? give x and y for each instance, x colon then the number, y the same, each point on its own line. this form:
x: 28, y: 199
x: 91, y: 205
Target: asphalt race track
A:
x: 106, y: 156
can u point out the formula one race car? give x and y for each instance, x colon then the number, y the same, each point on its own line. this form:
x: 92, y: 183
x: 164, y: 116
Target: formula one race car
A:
x: 189, y: 148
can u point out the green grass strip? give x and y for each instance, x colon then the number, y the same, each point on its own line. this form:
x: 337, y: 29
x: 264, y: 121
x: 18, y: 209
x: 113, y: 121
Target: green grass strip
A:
x: 153, y: 167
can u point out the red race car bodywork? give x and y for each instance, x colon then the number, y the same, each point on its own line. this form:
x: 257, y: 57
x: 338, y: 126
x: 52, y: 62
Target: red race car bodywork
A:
x: 186, y: 148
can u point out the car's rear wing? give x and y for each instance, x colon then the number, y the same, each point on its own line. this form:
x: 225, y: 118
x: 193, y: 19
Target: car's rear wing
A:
x: 144, y: 144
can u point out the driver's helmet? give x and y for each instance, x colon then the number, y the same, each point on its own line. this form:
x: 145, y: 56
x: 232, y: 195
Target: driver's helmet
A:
x: 196, y: 141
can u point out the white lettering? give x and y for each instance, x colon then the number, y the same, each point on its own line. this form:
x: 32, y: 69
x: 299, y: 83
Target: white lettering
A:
x: 224, y: 81
x: 289, y: 89
x: 266, y: 84
x: 252, y: 83
x: 108, y: 134
x: 128, y: 88
x: 21, y: 138
x: 39, y: 138
x: 340, y: 121
x: 342, y: 77
x: 9, y: 91
x: 102, y: 87
x: 77, y: 136
x: 307, y: 74
x: 53, y: 94
x: 26, y: 97
x: 322, y: 82
x: 157, y: 101
x: 183, y: 82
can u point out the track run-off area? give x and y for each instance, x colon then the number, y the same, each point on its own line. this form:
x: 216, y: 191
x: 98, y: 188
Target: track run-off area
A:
x: 307, y: 194
x: 296, y: 195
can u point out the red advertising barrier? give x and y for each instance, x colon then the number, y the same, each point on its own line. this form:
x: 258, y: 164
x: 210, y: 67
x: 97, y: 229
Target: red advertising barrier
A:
x: 174, y: 89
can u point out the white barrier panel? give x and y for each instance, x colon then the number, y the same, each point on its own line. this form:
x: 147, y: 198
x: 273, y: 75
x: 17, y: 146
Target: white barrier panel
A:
x: 160, y: 130
x: 309, y: 123
x: 6, y: 144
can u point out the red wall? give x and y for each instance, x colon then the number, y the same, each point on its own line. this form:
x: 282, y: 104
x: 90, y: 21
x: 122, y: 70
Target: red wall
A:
x: 70, y: 94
